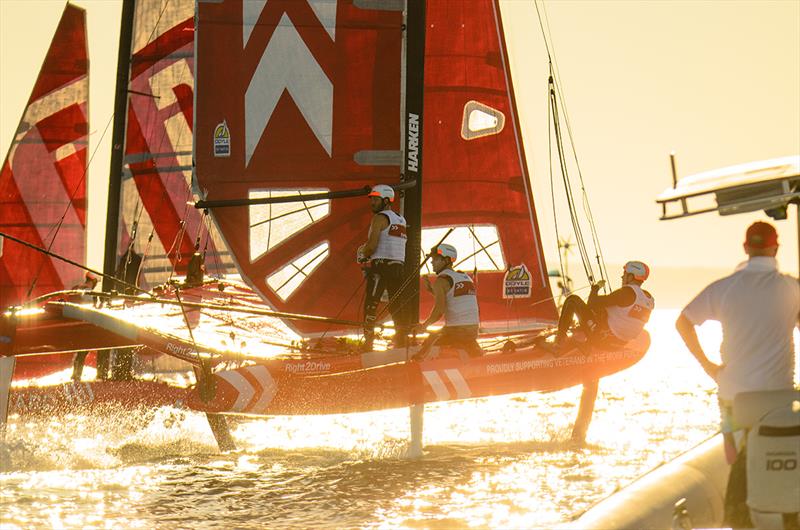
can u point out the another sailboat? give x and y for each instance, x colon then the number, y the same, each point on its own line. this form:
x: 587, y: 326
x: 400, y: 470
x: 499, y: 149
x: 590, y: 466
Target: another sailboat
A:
x: 43, y: 182
x: 301, y: 106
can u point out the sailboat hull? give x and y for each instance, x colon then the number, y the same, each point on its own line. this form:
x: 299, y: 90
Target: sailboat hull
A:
x: 293, y: 387
x: 94, y: 397
x: 258, y: 390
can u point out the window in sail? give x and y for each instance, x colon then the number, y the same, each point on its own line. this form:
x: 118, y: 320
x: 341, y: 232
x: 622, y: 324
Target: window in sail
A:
x: 272, y: 223
x: 478, y: 247
x: 480, y: 120
x: 288, y: 279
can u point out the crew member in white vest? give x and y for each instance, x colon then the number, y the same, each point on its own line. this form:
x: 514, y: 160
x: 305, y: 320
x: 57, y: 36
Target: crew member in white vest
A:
x: 382, y: 258
x: 613, y: 319
x: 758, y: 308
x: 456, y: 299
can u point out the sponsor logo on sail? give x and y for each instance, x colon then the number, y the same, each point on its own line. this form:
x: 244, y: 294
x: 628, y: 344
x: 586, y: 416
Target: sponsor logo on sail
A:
x: 517, y: 282
x: 222, y: 140
x: 412, y: 162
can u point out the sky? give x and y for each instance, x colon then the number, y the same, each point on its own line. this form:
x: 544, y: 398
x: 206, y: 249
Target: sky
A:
x: 715, y: 81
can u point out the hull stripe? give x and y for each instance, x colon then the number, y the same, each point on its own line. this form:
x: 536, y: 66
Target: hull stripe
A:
x: 268, y: 387
x: 436, y: 383
x: 461, y: 386
x: 245, y: 389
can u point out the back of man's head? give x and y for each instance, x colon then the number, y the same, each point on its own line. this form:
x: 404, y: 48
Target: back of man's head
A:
x: 761, y: 239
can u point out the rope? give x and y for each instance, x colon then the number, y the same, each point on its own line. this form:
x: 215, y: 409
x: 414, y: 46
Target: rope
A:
x: 54, y: 231
x: 555, y: 96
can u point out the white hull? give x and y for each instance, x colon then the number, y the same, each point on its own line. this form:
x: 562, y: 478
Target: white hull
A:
x: 699, y: 475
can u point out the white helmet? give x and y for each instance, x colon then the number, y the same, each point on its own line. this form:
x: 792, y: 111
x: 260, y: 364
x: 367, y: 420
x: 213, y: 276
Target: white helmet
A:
x: 383, y: 191
x: 639, y: 270
x: 448, y: 251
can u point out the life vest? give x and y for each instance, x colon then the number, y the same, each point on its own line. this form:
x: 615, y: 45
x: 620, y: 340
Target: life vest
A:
x: 627, y: 322
x: 462, y: 300
x: 392, y: 239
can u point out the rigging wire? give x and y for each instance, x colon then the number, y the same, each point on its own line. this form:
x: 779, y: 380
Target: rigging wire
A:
x: 555, y: 96
x: 55, y: 230
x: 586, y: 206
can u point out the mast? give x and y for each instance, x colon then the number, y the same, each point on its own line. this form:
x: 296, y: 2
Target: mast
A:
x: 412, y: 161
x: 118, y: 141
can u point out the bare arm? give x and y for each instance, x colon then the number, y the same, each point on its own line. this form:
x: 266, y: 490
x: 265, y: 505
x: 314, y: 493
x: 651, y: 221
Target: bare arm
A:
x: 689, y: 335
x: 622, y: 297
x: 440, y: 288
x: 379, y: 222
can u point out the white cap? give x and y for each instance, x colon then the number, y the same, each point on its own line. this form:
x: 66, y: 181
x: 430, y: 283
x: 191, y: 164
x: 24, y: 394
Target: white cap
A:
x: 448, y: 251
x: 639, y: 270
x: 383, y: 191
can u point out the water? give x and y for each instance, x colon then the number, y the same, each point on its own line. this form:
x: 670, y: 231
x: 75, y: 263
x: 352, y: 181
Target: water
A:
x: 502, y: 462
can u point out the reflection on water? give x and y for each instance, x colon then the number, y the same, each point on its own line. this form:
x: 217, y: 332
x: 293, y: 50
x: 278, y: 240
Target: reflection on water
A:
x: 502, y: 462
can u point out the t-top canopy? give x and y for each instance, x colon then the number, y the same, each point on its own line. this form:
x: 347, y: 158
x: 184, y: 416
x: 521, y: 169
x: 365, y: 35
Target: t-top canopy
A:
x: 764, y: 185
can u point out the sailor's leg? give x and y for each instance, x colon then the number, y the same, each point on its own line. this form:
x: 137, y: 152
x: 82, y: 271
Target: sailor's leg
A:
x: 77, y: 365
x: 399, y: 307
x: 372, y: 298
x: 416, y: 414
x: 735, y: 510
x: 122, y: 367
x: 585, y: 410
x: 426, y: 346
x: 6, y: 374
x: 103, y: 362
x: 572, y: 305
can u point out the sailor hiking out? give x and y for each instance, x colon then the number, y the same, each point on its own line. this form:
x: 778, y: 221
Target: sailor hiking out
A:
x: 456, y: 299
x: 382, y: 258
x: 613, y: 319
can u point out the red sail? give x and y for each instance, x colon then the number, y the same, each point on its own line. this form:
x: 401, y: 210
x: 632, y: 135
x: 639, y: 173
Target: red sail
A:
x: 42, y: 181
x: 156, y: 179
x: 298, y: 96
x: 474, y: 170
x: 304, y: 96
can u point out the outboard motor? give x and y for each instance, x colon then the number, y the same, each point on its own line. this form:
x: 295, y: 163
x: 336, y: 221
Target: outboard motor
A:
x: 773, y: 457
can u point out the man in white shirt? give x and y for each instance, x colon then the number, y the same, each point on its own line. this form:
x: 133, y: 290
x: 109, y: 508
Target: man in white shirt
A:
x: 758, y: 308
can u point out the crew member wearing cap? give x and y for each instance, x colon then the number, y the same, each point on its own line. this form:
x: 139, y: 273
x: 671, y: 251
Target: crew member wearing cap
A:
x: 611, y: 319
x: 758, y: 308
x: 383, y: 256
x: 455, y: 298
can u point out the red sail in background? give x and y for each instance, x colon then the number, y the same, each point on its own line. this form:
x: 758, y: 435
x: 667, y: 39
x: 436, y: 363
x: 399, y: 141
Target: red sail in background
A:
x: 474, y: 170
x: 290, y: 94
x: 156, y: 180
x: 42, y: 181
